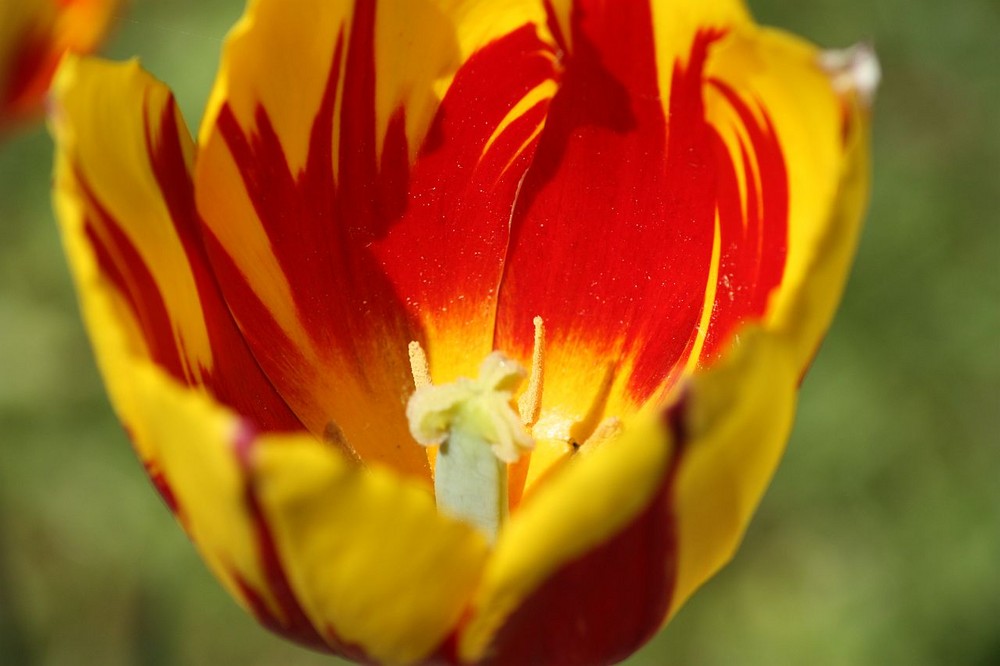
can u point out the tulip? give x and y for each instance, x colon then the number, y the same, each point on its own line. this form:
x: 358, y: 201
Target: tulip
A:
x: 468, y: 331
x: 34, y: 35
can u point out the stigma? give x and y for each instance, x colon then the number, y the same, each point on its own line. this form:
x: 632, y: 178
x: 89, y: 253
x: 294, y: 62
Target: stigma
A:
x: 479, y: 431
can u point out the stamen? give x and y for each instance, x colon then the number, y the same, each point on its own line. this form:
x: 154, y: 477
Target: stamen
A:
x: 418, y: 365
x: 529, y: 405
x: 479, y: 433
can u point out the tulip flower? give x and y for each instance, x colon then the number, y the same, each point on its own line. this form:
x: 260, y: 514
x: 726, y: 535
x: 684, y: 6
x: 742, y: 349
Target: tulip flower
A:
x: 467, y: 331
x: 34, y: 35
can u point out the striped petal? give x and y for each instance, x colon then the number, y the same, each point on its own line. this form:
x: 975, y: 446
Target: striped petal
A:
x: 34, y: 35
x: 681, y: 188
x: 163, y: 337
x: 382, y: 575
x: 357, y: 197
x: 583, y: 572
x: 591, y: 565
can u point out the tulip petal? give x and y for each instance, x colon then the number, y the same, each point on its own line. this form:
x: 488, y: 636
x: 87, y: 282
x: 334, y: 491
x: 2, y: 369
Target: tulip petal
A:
x: 613, y: 237
x: 831, y: 170
x: 124, y: 192
x: 348, y: 211
x: 34, y: 35
x: 734, y: 420
x: 188, y: 445
x: 201, y: 449
x: 372, y: 560
x: 583, y: 572
x: 679, y: 190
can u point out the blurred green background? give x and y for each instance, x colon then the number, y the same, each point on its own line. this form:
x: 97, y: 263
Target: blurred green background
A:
x: 878, y: 543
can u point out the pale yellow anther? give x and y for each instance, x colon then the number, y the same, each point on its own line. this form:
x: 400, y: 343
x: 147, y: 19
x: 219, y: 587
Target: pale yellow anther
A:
x: 529, y: 405
x: 418, y: 365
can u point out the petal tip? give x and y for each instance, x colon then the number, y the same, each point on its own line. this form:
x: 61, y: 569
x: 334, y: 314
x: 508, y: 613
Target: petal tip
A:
x: 855, y: 69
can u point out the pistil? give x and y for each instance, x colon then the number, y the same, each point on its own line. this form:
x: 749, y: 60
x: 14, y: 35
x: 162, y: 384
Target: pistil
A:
x: 478, y: 430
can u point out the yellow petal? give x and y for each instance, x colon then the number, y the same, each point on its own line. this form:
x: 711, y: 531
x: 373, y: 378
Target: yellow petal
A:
x: 735, y: 419
x: 586, y: 504
x: 373, y: 562
x: 822, y: 130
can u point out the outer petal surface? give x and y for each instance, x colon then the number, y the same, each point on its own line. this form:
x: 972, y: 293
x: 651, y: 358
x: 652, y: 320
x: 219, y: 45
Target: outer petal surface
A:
x: 372, y: 560
x: 356, y: 197
x: 123, y: 188
x: 34, y: 34
x: 583, y: 572
x: 156, y: 320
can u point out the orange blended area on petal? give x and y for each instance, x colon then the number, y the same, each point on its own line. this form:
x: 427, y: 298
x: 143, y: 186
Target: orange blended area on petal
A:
x: 367, y: 212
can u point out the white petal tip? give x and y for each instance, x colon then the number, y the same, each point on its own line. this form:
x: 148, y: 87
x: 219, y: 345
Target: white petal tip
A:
x: 854, y: 69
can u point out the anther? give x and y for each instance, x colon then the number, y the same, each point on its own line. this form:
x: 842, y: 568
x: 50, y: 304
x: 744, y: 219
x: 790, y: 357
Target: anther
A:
x: 529, y: 405
x: 418, y: 365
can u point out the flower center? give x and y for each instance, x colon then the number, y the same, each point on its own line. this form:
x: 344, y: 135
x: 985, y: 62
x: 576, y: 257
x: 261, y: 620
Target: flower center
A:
x: 478, y: 429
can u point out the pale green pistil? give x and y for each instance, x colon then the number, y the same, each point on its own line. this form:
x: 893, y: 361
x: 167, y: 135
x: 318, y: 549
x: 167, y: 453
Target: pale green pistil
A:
x: 479, y: 433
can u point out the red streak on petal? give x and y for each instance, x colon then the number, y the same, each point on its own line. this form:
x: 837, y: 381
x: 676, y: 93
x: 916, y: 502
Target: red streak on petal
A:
x: 293, y: 621
x: 612, y: 235
x: 119, y: 260
x: 754, y: 237
x: 162, y: 487
x: 321, y: 230
x: 235, y: 378
x: 603, y: 606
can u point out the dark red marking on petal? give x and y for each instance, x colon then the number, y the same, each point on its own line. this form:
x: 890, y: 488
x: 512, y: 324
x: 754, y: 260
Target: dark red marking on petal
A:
x: 293, y: 623
x: 613, y: 232
x: 603, y: 606
x: 446, y: 252
x: 162, y: 487
x: 366, y: 251
x: 235, y: 379
x: 321, y: 230
x: 120, y: 262
x: 612, y: 235
x: 754, y: 235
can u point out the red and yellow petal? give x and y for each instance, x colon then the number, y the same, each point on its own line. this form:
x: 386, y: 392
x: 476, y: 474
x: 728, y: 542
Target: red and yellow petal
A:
x: 125, y: 199
x: 358, y: 212
x: 166, y: 345
x: 239, y: 495
x: 583, y: 572
x: 374, y: 564
x: 679, y: 190
x: 34, y: 35
x: 600, y: 555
